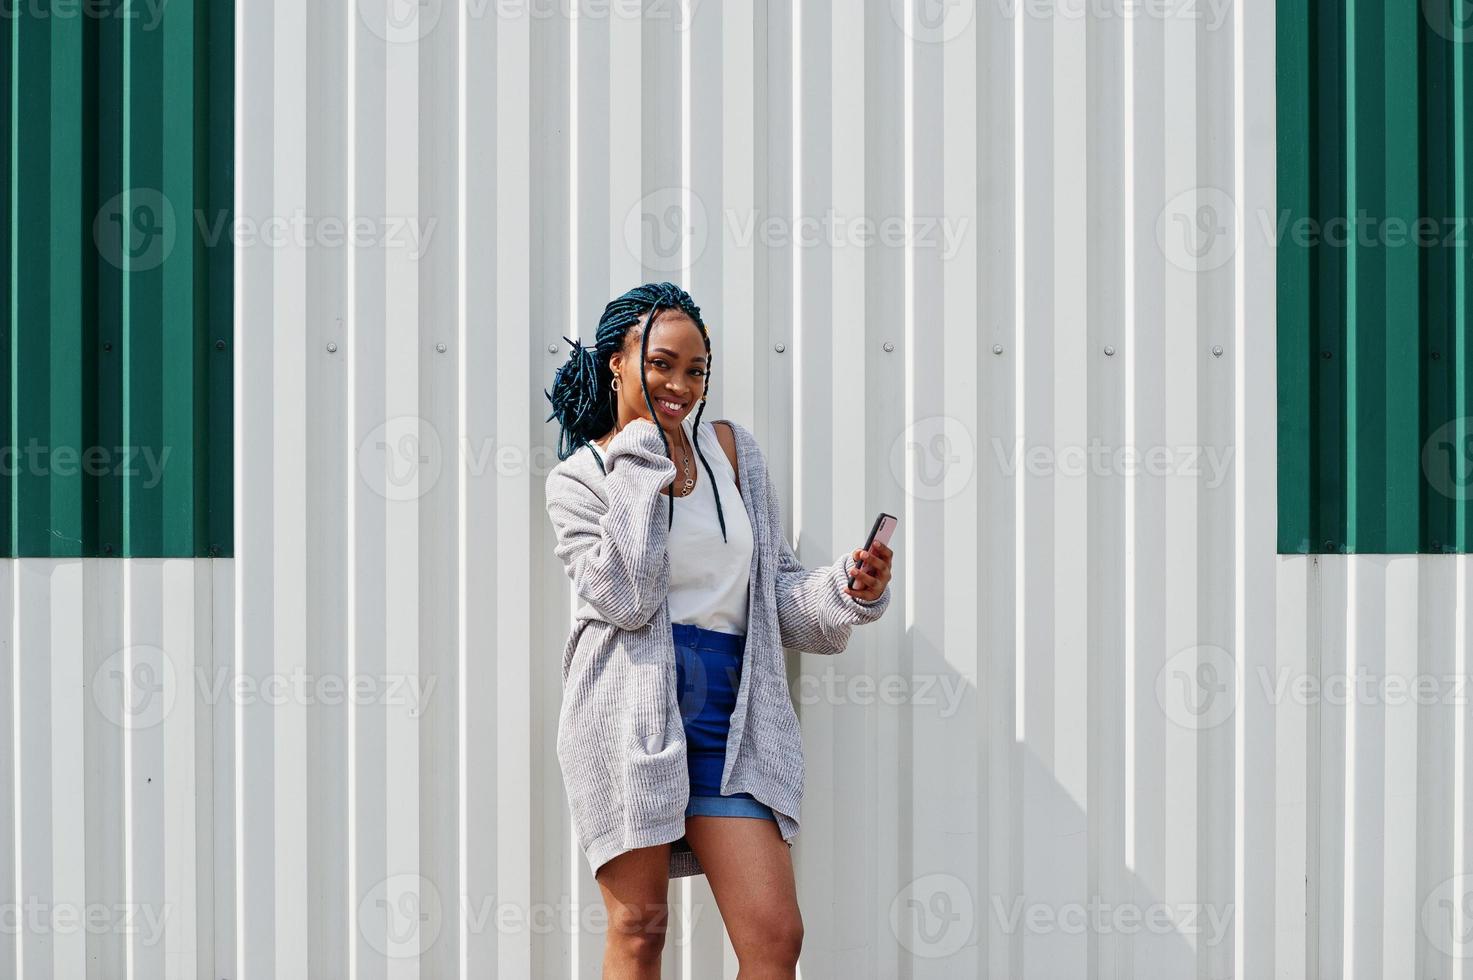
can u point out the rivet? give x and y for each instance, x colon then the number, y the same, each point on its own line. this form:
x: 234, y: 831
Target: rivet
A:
x: 1216, y: 350
x: 889, y: 347
x: 1329, y: 545
x: 108, y: 345
x: 440, y: 348
x: 1325, y: 354
x: 779, y: 347
x: 997, y: 348
x: 1436, y: 355
x: 1109, y: 351
x: 219, y: 345
x: 214, y: 550
x: 107, y: 548
x: 552, y: 348
x: 332, y: 348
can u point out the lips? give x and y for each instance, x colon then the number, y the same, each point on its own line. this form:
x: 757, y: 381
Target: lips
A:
x: 670, y: 407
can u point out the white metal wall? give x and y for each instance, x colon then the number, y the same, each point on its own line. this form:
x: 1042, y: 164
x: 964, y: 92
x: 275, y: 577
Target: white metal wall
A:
x: 1061, y: 715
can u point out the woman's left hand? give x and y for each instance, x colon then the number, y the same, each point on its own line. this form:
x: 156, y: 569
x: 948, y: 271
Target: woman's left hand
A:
x: 871, y: 579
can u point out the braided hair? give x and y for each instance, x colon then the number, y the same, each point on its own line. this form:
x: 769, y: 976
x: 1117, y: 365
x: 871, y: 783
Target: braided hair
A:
x: 582, y: 386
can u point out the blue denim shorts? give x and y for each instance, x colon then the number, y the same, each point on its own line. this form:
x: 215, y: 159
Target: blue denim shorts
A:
x: 708, y: 669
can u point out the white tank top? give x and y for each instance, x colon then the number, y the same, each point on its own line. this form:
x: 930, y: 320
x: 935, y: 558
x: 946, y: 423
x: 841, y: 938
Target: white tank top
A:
x: 709, y: 577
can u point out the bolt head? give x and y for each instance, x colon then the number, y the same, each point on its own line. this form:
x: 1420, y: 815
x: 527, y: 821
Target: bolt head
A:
x: 779, y: 347
x: 332, y: 348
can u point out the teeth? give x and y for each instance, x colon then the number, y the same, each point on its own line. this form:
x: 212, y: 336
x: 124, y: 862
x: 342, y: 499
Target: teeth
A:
x: 673, y: 406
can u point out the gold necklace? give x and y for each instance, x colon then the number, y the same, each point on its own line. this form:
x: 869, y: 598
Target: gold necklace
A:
x: 690, y: 482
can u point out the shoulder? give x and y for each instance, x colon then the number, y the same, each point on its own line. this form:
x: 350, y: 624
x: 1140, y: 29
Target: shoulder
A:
x: 726, y: 435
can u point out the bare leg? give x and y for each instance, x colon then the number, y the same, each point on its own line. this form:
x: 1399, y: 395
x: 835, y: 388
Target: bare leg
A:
x: 636, y: 888
x: 750, y: 869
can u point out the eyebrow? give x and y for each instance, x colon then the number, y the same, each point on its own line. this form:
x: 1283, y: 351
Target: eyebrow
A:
x: 666, y: 350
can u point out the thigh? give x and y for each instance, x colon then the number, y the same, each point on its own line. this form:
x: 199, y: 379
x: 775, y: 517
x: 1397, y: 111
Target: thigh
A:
x: 636, y: 889
x: 750, y: 868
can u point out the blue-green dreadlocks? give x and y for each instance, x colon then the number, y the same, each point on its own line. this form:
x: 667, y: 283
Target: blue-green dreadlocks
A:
x: 581, y: 387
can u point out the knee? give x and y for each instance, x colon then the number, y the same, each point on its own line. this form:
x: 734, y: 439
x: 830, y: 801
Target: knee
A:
x: 639, y: 934
x: 774, y: 943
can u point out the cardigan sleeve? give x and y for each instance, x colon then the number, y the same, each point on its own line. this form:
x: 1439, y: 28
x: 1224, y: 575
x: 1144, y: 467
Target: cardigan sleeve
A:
x: 616, y: 553
x: 814, y: 613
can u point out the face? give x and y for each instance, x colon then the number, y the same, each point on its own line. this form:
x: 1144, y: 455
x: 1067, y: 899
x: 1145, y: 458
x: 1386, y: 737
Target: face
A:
x: 675, y: 371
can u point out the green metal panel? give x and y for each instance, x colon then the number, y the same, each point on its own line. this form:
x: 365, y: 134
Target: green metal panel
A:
x: 1374, y: 351
x: 117, y: 289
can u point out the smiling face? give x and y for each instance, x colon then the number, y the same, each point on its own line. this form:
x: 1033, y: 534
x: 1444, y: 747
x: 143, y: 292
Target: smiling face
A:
x: 675, y: 371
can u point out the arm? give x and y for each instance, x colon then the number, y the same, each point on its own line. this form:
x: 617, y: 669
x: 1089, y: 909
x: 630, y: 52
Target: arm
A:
x: 616, y: 554
x: 814, y: 613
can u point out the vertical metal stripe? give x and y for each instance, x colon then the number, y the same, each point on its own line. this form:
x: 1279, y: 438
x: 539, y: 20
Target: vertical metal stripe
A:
x: 107, y: 400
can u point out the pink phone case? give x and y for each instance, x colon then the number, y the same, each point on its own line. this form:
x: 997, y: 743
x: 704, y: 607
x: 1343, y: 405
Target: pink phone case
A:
x: 884, y: 527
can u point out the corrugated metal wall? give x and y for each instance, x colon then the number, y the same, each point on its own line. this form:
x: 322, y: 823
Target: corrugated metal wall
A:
x: 1374, y: 269
x: 1065, y: 714
x: 115, y: 312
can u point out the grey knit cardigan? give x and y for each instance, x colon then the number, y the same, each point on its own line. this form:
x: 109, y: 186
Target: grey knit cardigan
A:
x: 620, y: 738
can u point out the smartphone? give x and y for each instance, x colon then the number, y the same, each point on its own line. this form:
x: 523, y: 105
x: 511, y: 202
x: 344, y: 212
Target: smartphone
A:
x: 881, y: 532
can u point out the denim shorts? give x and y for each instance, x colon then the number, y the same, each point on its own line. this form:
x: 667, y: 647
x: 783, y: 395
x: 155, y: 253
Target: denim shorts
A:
x: 708, y: 668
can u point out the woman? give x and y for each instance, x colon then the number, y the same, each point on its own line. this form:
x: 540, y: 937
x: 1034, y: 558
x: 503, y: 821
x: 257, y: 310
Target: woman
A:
x: 679, y: 747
